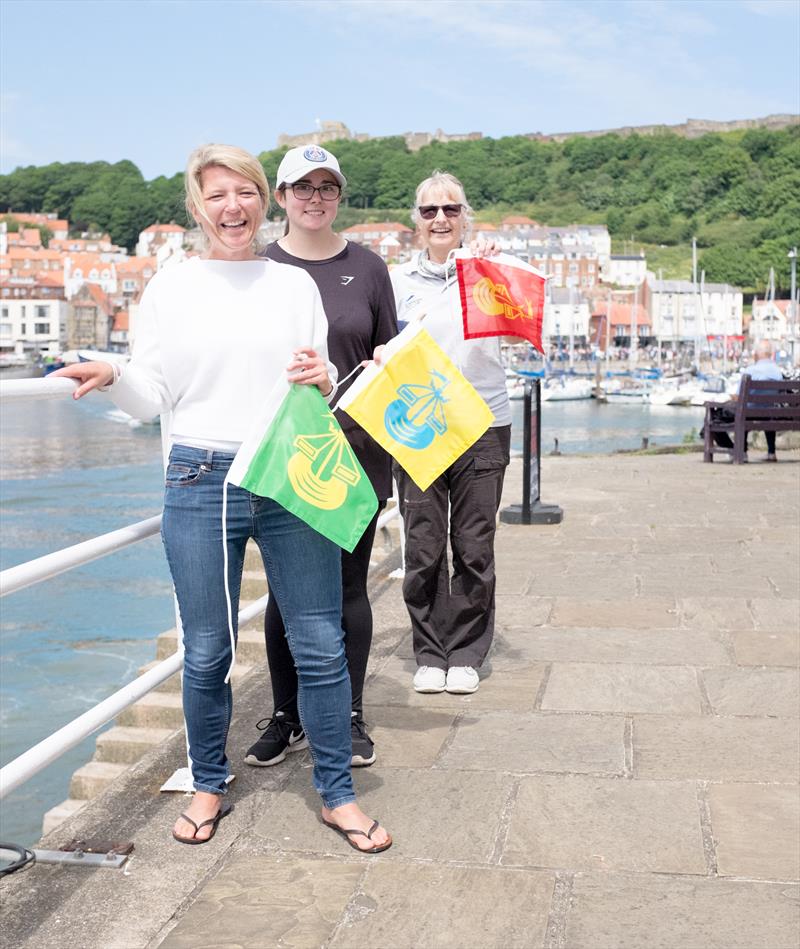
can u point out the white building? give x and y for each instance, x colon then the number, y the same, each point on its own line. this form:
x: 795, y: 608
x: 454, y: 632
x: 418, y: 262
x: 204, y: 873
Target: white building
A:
x: 88, y: 268
x: 770, y: 320
x: 566, y: 314
x: 625, y: 270
x: 33, y: 326
x: 153, y: 237
x: 682, y: 311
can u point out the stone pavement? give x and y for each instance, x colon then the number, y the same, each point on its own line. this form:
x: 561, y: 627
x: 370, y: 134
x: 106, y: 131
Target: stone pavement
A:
x: 626, y: 776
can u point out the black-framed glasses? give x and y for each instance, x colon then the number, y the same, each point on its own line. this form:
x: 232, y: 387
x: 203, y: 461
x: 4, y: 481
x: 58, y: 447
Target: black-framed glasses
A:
x: 304, y: 191
x: 429, y: 211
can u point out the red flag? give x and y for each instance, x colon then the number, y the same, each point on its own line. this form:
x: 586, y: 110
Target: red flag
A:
x: 501, y: 296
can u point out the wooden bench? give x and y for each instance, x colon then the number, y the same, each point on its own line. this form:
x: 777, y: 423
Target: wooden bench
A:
x: 763, y: 405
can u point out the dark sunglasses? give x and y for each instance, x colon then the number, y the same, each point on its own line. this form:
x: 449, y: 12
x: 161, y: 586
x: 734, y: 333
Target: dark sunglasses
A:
x: 429, y: 211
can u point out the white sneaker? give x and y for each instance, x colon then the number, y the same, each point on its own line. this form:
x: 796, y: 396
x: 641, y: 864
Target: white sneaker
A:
x: 429, y: 679
x: 461, y: 680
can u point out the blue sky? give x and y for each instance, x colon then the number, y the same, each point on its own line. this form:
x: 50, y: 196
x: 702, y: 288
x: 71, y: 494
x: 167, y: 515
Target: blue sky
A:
x: 82, y: 80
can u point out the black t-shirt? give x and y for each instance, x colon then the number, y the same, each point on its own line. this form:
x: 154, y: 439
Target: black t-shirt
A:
x: 359, y: 303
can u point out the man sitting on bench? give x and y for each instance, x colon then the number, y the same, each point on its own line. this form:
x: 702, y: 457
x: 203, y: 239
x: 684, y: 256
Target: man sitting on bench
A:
x: 764, y: 367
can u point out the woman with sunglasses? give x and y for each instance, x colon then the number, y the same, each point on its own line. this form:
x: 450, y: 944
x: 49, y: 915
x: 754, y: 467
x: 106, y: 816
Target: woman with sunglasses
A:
x: 359, y: 304
x: 452, y: 615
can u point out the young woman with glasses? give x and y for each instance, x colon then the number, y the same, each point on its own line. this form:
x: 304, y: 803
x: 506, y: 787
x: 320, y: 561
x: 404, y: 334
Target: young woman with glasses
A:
x: 213, y: 336
x: 451, y: 611
x: 359, y: 303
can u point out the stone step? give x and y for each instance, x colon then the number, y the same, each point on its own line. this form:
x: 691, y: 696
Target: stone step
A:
x: 93, y: 778
x: 173, y: 683
x: 254, y: 586
x: 126, y: 745
x: 249, y: 652
x: 154, y: 710
x: 58, y: 814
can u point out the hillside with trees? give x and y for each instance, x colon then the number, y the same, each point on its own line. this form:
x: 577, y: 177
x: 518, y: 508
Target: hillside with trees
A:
x: 738, y: 193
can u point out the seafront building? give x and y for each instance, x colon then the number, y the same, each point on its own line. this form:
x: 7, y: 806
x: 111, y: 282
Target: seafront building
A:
x: 682, y: 311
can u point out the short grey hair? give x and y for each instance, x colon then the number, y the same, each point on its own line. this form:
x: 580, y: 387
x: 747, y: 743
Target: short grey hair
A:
x: 450, y: 185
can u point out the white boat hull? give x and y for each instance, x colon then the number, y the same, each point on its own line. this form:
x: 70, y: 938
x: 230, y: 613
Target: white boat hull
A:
x: 568, y: 391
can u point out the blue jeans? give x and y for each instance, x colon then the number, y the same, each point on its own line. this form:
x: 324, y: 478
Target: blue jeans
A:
x: 304, y: 570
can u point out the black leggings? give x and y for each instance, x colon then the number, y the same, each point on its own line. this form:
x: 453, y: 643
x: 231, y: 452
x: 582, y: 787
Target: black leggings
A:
x: 356, y: 623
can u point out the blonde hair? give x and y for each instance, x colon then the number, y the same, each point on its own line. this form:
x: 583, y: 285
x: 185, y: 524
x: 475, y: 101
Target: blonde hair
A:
x: 450, y: 185
x: 224, y: 156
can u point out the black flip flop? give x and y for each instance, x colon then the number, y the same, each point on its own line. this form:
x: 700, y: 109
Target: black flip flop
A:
x: 360, y: 833
x: 223, y: 811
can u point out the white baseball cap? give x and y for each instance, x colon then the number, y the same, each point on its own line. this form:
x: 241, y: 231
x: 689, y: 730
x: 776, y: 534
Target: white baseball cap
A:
x: 301, y: 161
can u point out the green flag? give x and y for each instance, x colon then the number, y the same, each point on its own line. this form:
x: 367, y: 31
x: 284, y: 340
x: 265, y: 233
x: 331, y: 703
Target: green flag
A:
x: 299, y: 456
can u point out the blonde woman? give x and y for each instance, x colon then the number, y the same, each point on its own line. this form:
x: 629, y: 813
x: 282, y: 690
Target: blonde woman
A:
x: 214, y: 335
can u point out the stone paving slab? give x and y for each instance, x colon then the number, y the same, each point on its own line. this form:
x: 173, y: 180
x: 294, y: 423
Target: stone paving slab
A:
x: 631, y: 911
x: 652, y: 613
x: 715, y: 749
x: 614, y: 824
x: 528, y: 611
x: 408, y: 737
x: 590, y: 585
x: 462, y: 822
x: 763, y: 692
x: 256, y: 902
x: 756, y: 830
x: 651, y: 646
x: 407, y: 906
x: 777, y: 613
x: 764, y: 648
x: 621, y: 687
x: 716, y: 612
x: 533, y: 742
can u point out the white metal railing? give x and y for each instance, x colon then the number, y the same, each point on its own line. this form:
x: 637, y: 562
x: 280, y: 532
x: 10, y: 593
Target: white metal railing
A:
x: 15, y: 390
x: 35, y: 759
x: 51, y: 565
x: 38, y: 757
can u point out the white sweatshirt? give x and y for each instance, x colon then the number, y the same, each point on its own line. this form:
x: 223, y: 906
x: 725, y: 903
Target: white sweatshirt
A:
x: 212, y: 338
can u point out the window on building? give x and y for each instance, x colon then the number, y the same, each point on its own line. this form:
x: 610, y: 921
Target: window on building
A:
x: 23, y: 329
x: 41, y: 329
x: 22, y: 311
x: 5, y: 329
x: 42, y: 312
x: 4, y: 313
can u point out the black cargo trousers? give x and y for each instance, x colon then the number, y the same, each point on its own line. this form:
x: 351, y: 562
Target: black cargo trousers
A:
x: 452, y: 616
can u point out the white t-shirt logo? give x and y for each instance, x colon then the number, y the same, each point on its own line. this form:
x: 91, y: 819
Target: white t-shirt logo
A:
x: 346, y: 280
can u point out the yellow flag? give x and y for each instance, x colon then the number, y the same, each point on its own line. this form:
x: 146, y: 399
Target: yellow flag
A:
x: 418, y: 406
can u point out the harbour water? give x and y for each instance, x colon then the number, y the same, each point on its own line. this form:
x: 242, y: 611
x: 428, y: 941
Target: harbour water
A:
x: 71, y: 471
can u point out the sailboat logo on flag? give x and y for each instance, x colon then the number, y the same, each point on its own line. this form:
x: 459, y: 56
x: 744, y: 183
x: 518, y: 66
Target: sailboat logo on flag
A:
x: 323, y: 468
x: 417, y: 417
x: 418, y: 405
x: 298, y: 455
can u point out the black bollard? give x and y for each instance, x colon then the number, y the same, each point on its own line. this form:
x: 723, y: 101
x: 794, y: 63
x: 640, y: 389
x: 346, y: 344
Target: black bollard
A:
x: 532, y: 511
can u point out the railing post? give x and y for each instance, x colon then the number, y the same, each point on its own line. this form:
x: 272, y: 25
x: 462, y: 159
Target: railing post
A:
x: 532, y: 510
